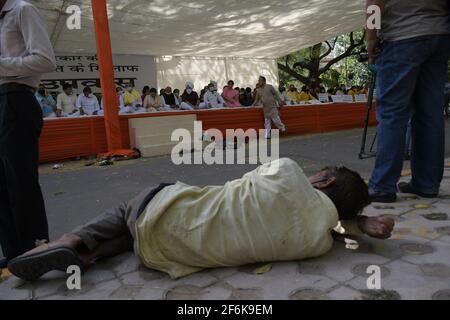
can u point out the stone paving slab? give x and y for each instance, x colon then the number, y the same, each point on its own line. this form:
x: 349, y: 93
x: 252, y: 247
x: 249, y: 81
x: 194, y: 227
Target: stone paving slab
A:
x: 415, y: 264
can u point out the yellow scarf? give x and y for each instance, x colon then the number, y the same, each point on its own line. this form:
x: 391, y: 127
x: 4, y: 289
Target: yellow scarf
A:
x: 127, y: 97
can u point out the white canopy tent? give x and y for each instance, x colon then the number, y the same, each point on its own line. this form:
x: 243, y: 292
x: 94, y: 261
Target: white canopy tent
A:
x: 212, y: 28
x: 201, y: 40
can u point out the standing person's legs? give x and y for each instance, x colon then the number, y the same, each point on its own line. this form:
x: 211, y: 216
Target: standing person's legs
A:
x: 398, y: 70
x: 428, y: 126
x: 268, y: 127
x: 277, y: 121
x: 22, y: 212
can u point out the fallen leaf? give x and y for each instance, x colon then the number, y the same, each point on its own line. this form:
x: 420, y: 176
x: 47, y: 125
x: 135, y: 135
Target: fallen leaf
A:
x: 421, y: 206
x: 264, y: 269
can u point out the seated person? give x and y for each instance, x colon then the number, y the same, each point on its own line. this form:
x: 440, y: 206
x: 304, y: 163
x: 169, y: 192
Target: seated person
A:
x: 169, y: 100
x: 132, y: 98
x: 231, y: 96
x: 292, y: 95
x: 305, y: 95
x: 176, y: 93
x: 283, y: 95
x: 189, y: 99
x: 212, y: 98
x: 274, y: 213
x: 46, y: 101
x: 87, y: 103
x: 153, y: 102
x: 145, y: 93
x: 58, y: 114
x: 247, y: 99
x: 67, y: 100
x: 353, y: 92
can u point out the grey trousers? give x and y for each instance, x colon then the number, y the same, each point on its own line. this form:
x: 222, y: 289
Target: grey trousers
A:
x: 113, y: 232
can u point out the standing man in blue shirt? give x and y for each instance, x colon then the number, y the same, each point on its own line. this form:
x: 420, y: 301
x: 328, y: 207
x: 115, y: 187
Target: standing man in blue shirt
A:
x: 25, y: 54
x: 411, y: 50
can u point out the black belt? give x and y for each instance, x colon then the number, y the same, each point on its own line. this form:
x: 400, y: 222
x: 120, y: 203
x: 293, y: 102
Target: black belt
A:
x: 14, y: 87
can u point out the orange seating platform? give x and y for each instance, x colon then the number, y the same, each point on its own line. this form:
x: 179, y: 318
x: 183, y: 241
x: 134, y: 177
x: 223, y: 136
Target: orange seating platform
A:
x: 64, y: 139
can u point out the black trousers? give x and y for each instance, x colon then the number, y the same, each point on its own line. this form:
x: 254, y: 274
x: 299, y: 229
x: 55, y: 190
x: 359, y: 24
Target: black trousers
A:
x: 22, y: 212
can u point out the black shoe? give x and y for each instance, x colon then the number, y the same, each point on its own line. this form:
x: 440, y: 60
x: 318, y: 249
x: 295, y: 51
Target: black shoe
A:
x: 407, y: 157
x: 3, y: 263
x: 383, y: 197
x: 404, y: 187
x: 32, y: 265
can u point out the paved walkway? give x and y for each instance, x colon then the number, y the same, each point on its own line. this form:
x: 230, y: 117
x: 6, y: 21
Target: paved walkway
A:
x: 415, y: 263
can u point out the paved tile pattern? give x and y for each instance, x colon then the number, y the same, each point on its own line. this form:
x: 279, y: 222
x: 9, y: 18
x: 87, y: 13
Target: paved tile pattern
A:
x: 415, y: 264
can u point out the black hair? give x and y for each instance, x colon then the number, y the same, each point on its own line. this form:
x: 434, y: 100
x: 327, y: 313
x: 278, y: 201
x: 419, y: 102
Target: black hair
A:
x: 67, y: 86
x: 145, y: 89
x: 350, y: 193
x: 263, y: 78
x: 248, y: 90
x: 153, y: 90
x: 86, y: 89
x: 230, y: 81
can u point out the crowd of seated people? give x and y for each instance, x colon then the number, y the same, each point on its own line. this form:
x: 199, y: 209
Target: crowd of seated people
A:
x: 131, y: 101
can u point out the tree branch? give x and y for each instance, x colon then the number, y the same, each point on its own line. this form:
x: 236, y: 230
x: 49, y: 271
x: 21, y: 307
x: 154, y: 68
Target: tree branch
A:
x: 292, y: 73
x: 349, y: 52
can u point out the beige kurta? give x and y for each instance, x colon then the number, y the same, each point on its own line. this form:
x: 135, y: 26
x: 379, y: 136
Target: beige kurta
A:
x: 269, y: 98
x: 271, y: 214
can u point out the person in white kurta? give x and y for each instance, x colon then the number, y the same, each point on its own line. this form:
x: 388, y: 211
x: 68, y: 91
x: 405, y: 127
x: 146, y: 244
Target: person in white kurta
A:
x: 212, y: 99
x: 87, y: 103
x: 67, y: 100
x: 274, y: 213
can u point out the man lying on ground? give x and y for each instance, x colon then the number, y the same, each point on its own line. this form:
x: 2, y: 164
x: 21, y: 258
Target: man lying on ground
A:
x: 274, y: 213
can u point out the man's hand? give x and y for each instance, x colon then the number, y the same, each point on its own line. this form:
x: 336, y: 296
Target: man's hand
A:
x: 373, y: 48
x: 377, y: 227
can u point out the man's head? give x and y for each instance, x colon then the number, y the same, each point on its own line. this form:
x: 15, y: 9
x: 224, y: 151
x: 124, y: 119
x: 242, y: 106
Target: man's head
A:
x: 146, y: 90
x: 176, y: 92
x: 262, y: 81
x: 168, y: 91
x: 292, y: 88
x: 68, y: 89
x: 346, y: 189
x: 231, y: 84
x: 87, y: 91
x: 211, y: 88
x: 153, y: 92
x: 189, y: 87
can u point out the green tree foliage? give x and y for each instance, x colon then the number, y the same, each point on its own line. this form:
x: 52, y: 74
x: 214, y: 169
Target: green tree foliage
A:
x: 329, y: 63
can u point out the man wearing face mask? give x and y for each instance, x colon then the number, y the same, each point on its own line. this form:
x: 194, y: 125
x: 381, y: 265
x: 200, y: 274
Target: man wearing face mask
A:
x: 212, y: 98
x: 87, y: 103
x: 190, y: 99
x: 25, y: 54
x: 46, y: 101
